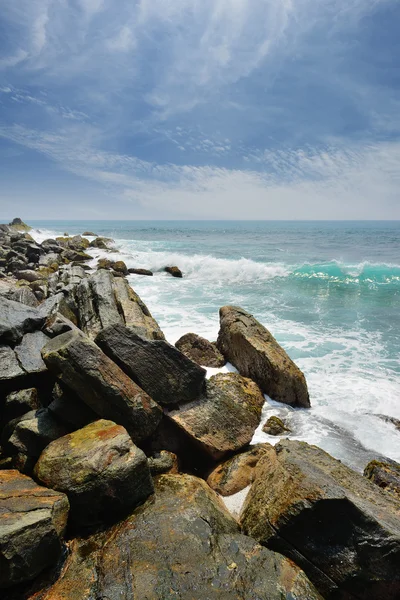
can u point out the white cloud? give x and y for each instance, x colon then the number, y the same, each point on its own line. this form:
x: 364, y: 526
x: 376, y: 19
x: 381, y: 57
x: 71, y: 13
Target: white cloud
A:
x: 123, y: 41
x: 13, y: 61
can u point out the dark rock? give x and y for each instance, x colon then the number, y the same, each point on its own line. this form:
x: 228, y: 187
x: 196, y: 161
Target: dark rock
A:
x: 104, y: 263
x: 225, y: 419
x: 99, y: 468
x: 89, y: 233
x: 29, y: 350
x: 19, y: 403
x: 140, y: 272
x: 102, y: 243
x: 10, y: 369
x: 386, y: 474
x: 101, y: 384
x: 16, y: 319
x: 235, y: 474
x: 275, y: 426
x: 256, y: 354
x: 32, y: 521
x: 75, y: 255
x: 200, y: 350
x: 391, y: 420
x: 180, y: 545
x: 174, y: 271
x: 29, y: 275
x: 103, y: 295
x: 18, y: 225
x: 163, y: 462
x: 166, y: 374
x: 70, y: 409
x: 119, y: 266
x: 338, y: 526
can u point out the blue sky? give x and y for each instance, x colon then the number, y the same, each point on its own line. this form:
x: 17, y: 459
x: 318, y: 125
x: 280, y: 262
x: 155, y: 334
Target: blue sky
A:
x: 209, y: 109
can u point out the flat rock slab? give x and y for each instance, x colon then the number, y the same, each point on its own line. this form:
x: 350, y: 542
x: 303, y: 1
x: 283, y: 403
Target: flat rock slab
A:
x: 225, y: 419
x: 101, y: 384
x: 16, y: 319
x: 166, y: 374
x: 32, y: 521
x: 338, y: 526
x: 253, y: 350
x: 99, y: 468
x: 181, y: 545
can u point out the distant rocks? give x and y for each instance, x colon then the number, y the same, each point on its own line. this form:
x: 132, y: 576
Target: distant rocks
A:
x: 200, y: 350
x: 256, y: 354
x: 18, y: 225
x: 174, y: 271
x: 89, y: 233
x: 133, y: 271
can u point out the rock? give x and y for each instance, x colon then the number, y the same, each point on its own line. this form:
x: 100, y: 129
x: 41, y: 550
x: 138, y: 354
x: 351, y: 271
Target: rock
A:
x: 23, y: 295
x: 391, y: 420
x: 174, y: 271
x: 225, y: 419
x: 104, y: 263
x: 32, y: 521
x: 163, y: 462
x: 180, y: 545
x: 29, y: 352
x: 256, y: 354
x: 10, y: 369
x: 338, y: 526
x: 101, y: 384
x: 200, y: 350
x: 17, y: 319
x: 275, y: 426
x: 99, y: 468
x: 89, y: 233
x: 166, y: 374
x: 140, y: 272
x: 70, y: 409
x: 237, y: 473
x: 103, y: 295
x: 75, y: 255
x: 29, y: 275
x: 19, y: 403
x: 386, y: 474
x: 120, y: 267
x: 18, y: 225
x: 102, y: 243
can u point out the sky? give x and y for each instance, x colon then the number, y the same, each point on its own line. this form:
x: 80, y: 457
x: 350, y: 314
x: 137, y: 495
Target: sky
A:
x: 200, y: 109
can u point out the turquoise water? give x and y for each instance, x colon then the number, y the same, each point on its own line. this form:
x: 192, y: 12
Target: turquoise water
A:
x: 328, y: 291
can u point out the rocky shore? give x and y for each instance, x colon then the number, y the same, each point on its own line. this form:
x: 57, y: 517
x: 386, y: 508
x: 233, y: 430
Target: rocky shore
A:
x: 118, y: 456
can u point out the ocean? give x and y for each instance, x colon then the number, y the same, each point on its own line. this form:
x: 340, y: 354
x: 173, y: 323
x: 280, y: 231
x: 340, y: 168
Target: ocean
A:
x: 328, y: 291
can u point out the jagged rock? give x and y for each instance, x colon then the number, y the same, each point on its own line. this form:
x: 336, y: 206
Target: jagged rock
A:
x: 24, y: 294
x: 180, y: 545
x: 51, y: 245
x: 16, y: 319
x: 224, y: 420
x: 163, y: 462
x: 174, y: 271
x: 10, y: 369
x: 256, y: 354
x: 29, y: 350
x: 386, y: 474
x: 99, y: 468
x: 32, y: 521
x: 235, y: 474
x: 104, y: 298
x: 140, y: 272
x: 19, y: 403
x: 101, y: 384
x: 166, y: 374
x: 200, y: 350
x: 70, y: 409
x: 275, y: 426
x: 75, y: 255
x: 338, y: 526
x: 89, y: 320
x: 60, y: 304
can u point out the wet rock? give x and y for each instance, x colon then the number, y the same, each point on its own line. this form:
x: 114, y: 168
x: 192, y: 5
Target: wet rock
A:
x: 119, y: 266
x: 338, y: 526
x: 256, y: 354
x: 386, y: 474
x: 166, y: 374
x: 200, y: 350
x: 163, y: 462
x: 275, y: 426
x: 174, y: 271
x: 32, y: 521
x: 101, y: 384
x: 99, y: 468
x: 237, y: 473
x: 224, y: 420
x: 391, y: 420
x: 16, y: 319
x: 140, y: 272
x: 101, y: 242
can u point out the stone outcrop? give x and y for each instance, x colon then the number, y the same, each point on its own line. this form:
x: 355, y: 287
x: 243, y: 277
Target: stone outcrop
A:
x: 256, y: 354
x: 101, y: 384
x: 225, y: 418
x: 200, y: 350
x: 18, y: 403
x: 386, y: 474
x: 32, y: 521
x: 275, y: 426
x: 166, y: 374
x: 16, y: 320
x: 99, y: 468
x: 174, y: 271
x: 237, y: 473
x: 338, y: 526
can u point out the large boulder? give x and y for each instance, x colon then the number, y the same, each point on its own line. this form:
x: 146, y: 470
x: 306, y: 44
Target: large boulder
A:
x: 385, y: 473
x: 256, y: 354
x: 16, y: 319
x: 19, y: 403
x: 99, y: 468
x: 200, y: 350
x: 32, y: 521
x: 101, y: 384
x: 224, y: 420
x: 180, y: 545
x: 166, y: 374
x: 236, y: 473
x: 338, y: 526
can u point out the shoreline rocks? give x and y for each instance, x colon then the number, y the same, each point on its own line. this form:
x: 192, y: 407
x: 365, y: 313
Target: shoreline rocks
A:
x: 200, y: 350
